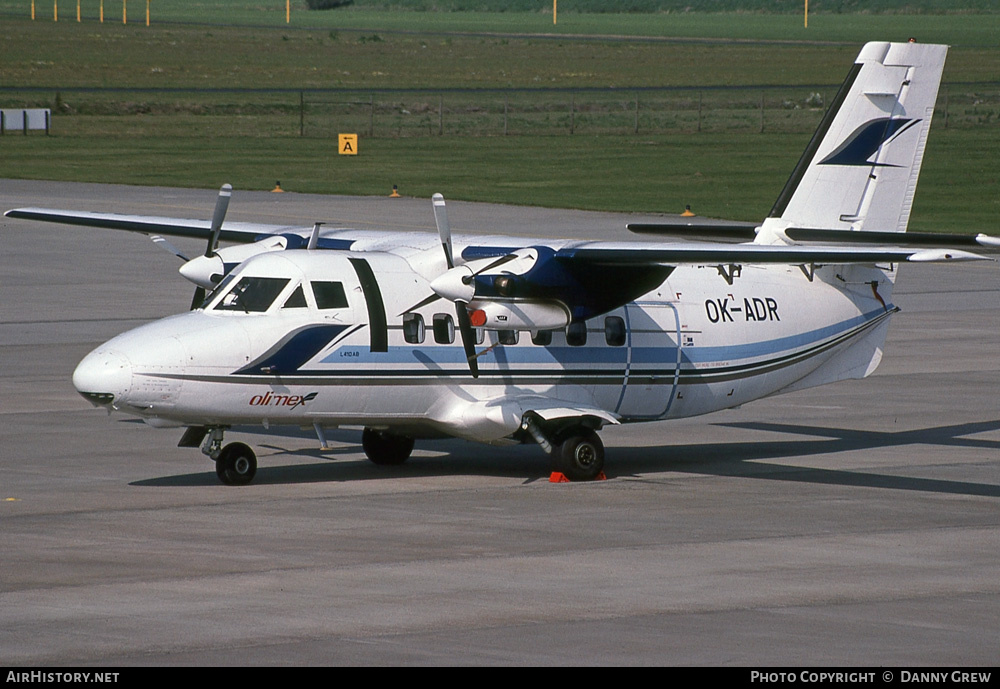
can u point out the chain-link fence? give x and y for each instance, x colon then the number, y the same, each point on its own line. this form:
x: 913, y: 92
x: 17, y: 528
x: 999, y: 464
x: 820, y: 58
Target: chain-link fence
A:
x: 457, y: 112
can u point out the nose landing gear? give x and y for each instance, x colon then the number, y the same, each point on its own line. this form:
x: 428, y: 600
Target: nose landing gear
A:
x: 235, y: 464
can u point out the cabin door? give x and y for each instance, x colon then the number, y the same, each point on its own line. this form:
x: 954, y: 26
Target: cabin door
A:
x: 652, y: 362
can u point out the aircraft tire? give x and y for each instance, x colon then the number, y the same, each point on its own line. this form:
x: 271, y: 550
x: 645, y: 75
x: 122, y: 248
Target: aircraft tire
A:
x: 386, y: 449
x: 580, y: 456
x: 236, y: 465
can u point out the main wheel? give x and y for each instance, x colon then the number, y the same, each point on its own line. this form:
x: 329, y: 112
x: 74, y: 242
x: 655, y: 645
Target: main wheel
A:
x: 384, y: 448
x: 580, y: 456
x: 236, y: 465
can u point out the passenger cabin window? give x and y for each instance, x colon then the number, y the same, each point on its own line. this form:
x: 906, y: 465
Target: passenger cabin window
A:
x: 542, y: 338
x: 614, y: 331
x: 507, y: 337
x: 296, y: 300
x: 444, y: 328
x: 576, y: 334
x: 413, y: 328
x: 329, y: 295
x: 252, y: 294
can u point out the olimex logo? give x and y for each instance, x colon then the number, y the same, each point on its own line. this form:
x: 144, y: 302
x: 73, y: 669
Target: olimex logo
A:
x: 270, y: 399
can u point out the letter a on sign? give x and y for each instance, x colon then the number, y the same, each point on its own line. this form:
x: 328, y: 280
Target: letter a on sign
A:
x: 348, y: 144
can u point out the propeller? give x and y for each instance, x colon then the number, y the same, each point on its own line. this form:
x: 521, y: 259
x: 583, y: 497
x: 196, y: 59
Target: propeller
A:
x: 457, y: 284
x: 461, y: 312
x: 221, y: 206
x: 164, y: 244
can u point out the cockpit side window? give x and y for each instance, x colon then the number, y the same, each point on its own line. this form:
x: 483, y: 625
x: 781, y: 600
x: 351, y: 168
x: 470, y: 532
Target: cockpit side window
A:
x: 220, y: 288
x: 296, y: 300
x: 252, y: 294
x: 329, y: 295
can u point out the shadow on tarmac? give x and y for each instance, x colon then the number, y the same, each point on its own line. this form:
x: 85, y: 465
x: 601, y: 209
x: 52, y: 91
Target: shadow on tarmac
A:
x: 650, y: 463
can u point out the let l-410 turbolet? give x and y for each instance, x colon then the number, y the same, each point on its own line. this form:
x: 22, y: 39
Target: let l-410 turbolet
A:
x: 512, y: 340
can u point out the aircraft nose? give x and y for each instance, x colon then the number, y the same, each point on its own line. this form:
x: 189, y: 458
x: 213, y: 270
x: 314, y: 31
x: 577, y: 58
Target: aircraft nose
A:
x: 103, y: 377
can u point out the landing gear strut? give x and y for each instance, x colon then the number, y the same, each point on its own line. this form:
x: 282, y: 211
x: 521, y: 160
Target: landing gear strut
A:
x: 384, y: 448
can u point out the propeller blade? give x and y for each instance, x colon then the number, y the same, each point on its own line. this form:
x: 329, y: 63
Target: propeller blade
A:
x: 464, y: 322
x: 221, y: 206
x: 468, y: 338
x: 444, y: 230
x: 423, y: 302
x: 163, y: 243
x: 198, y: 299
x: 496, y: 264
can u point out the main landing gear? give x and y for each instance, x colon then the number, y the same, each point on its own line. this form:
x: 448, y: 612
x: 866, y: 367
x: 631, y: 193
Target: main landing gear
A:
x: 386, y: 449
x: 576, y: 452
x: 580, y: 456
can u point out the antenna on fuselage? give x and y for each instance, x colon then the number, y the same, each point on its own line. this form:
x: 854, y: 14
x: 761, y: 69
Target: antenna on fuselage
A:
x: 314, y: 239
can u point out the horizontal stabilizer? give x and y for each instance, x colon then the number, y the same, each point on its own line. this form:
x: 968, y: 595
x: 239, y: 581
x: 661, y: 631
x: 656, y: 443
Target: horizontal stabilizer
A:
x: 738, y: 232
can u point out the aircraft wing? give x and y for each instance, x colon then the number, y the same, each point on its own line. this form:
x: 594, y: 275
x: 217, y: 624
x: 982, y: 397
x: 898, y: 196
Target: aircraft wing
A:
x: 237, y: 232
x: 706, y: 254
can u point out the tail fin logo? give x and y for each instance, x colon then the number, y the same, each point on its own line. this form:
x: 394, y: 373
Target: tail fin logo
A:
x: 866, y: 140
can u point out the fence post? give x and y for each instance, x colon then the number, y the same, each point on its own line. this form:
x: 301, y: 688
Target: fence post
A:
x: 371, y: 114
x: 440, y: 114
x: 946, y: 107
x: 572, y: 112
x: 762, y: 111
x: 637, y: 113
x: 699, y: 110
x: 506, y: 98
x: 302, y: 113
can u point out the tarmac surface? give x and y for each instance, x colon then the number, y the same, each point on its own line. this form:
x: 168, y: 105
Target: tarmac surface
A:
x: 856, y: 524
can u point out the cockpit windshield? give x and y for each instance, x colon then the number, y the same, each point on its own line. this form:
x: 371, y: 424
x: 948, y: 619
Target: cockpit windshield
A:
x: 250, y: 294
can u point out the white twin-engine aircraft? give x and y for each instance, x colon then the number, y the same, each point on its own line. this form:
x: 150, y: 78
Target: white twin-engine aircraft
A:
x: 509, y: 340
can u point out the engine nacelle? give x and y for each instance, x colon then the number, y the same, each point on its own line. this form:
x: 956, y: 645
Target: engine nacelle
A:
x: 208, y: 271
x: 519, y: 315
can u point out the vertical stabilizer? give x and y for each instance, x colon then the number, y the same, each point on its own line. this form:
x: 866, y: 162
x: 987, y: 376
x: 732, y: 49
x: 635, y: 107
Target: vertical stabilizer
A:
x: 860, y: 169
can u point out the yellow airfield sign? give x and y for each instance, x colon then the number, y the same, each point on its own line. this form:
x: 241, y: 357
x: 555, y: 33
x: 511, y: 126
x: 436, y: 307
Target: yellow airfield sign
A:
x: 347, y: 144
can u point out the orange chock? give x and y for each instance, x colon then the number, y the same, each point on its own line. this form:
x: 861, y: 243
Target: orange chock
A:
x: 395, y: 192
x: 559, y: 477
x: 277, y: 188
x: 687, y: 212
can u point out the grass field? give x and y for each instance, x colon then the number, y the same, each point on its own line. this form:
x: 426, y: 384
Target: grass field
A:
x: 733, y: 176
x: 202, y: 140
x: 958, y: 29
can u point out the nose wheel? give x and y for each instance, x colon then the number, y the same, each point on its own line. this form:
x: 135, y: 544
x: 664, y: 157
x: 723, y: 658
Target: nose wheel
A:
x: 236, y: 464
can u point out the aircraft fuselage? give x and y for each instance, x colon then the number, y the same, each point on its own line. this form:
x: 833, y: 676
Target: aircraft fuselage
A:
x: 335, y: 346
